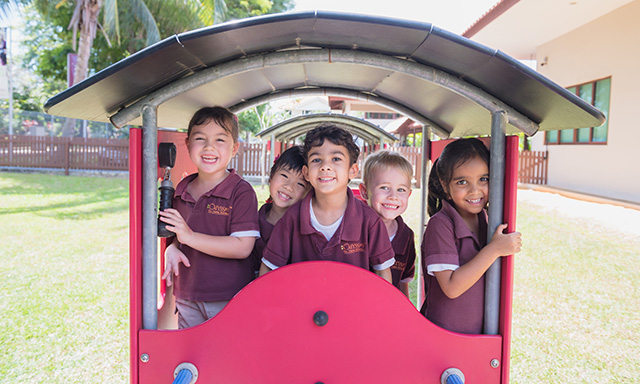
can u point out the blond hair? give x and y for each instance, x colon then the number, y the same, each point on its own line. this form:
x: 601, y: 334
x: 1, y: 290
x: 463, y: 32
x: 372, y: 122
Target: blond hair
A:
x: 383, y: 159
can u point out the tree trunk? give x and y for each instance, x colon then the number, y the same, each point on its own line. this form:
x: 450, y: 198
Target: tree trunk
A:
x: 87, y: 25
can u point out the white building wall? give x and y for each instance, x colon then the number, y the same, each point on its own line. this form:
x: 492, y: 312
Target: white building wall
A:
x: 606, y: 47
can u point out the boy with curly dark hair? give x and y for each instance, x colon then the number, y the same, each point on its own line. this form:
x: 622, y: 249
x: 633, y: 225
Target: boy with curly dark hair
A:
x: 315, y: 228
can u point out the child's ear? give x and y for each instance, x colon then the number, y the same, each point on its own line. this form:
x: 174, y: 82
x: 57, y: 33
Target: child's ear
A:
x: 353, y: 171
x: 363, y: 191
x: 305, y: 173
x: 236, y: 146
x: 444, y: 188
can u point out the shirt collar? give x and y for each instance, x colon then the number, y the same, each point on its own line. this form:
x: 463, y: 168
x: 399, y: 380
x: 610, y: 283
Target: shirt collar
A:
x: 401, y: 234
x: 223, y: 190
x: 460, y: 227
x: 349, y: 232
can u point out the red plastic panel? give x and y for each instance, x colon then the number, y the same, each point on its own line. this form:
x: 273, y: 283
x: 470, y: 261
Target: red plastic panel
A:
x: 266, y: 334
x: 357, y: 195
x: 135, y: 244
x: 438, y: 146
x: 183, y: 165
x: 506, y: 293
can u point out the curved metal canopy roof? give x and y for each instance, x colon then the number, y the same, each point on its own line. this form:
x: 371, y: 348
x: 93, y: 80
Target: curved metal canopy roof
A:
x: 299, y: 125
x: 434, y: 77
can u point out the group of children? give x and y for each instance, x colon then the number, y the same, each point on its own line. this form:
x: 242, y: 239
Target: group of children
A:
x: 222, y: 241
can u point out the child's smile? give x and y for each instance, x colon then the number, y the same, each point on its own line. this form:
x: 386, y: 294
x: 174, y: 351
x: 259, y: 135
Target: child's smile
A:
x: 211, y: 147
x: 388, y: 193
x: 328, y: 168
x: 287, y: 187
x: 469, y: 188
x: 210, y: 159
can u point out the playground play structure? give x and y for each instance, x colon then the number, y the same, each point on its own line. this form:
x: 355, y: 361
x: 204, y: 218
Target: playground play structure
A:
x: 320, y: 322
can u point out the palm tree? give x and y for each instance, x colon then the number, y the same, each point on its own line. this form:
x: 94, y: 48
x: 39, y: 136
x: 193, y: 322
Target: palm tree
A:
x: 91, y: 16
x: 84, y: 23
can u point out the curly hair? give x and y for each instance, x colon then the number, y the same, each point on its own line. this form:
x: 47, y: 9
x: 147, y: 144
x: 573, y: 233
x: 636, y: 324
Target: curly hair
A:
x: 334, y: 134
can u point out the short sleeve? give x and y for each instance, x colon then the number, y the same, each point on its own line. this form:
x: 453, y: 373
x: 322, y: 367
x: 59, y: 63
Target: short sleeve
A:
x: 278, y: 249
x: 244, y: 215
x: 409, y: 270
x: 380, y: 250
x: 439, y: 243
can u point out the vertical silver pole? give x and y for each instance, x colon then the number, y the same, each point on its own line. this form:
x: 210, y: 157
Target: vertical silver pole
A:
x: 424, y: 173
x: 149, y: 217
x: 496, y: 208
x: 272, y: 154
x: 10, y: 85
x: 263, y: 162
x: 8, y: 37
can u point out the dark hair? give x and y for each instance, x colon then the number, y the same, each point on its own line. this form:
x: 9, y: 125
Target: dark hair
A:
x: 334, y: 134
x: 222, y: 116
x: 454, y: 155
x: 291, y: 160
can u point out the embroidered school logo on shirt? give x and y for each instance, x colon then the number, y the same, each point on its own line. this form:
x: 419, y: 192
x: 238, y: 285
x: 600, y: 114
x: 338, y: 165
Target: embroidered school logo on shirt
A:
x: 348, y: 248
x: 218, y: 209
x: 399, y: 265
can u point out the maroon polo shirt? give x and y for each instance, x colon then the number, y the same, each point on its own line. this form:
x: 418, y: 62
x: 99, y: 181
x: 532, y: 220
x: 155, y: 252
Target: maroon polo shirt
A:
x: 229, y: 207
x: 361, y: 239
x: 265, y: 233
x: 448, y: 240
x: 404, y: 247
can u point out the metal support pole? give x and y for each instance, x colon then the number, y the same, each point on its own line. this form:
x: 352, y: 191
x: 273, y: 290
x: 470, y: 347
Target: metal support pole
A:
x: 424, y: 182
x: 496, y: 213
x: 149, y: 217
x: 263, y: 163
x: 272, y: 153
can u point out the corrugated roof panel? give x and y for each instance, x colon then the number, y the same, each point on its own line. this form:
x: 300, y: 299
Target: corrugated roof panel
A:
x: 233, y: 44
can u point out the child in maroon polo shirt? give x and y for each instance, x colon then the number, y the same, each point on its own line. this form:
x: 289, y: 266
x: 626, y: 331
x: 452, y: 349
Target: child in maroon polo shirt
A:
x: 215, y: 219
x: 286, y: 187
x: 454, y: 247
x: 315, y: 228
x: 386, y: 187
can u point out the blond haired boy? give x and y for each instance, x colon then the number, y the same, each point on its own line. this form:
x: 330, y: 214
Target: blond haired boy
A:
x: 386, y: 187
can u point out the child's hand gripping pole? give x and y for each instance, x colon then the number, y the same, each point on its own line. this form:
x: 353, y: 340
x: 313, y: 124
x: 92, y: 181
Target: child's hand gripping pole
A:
x: 166, y: 160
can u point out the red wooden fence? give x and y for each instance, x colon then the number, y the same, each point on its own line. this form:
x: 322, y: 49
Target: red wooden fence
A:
x: 64, y: 153
x: 251, y: 161
x: 533, y: 167
x: 414, y: 155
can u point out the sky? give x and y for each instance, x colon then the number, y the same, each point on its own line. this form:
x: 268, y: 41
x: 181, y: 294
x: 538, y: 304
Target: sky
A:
x: 452, y: 15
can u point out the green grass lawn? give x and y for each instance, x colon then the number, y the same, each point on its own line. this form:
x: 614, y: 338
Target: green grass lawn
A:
x: 576, y: 299
x: 64, y: 268
x: 64, y: 289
